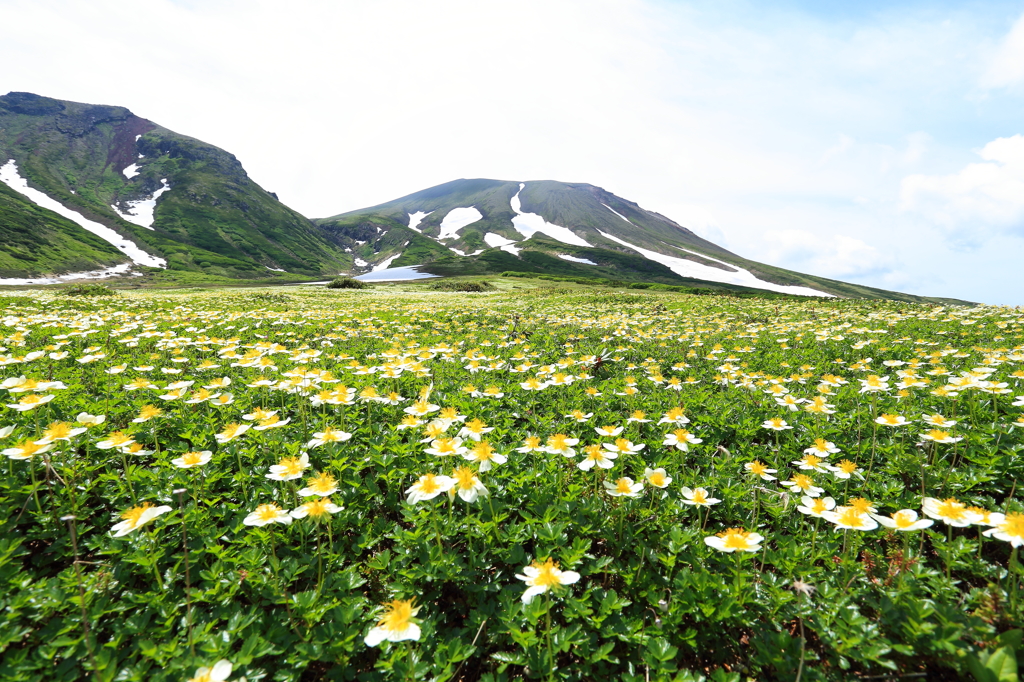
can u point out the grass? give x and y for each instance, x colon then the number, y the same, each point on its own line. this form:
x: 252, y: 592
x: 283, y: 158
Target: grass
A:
x: 196, y: 583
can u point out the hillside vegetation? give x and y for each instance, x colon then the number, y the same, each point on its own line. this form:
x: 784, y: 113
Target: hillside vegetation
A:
x: 508, y: 483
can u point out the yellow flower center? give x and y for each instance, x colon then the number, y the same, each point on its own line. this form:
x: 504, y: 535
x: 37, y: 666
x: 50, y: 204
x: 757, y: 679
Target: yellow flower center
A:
x: 623, y: 486
x: 802, y: 481
x: 812, y: 461
x: 735, y: 538
x: 952, y: 509
x: 903, y: 519
x: 58, y: 430
x: 118, y: 439
x: 851, y: 516
x: 1013, y: 525
x: 291, y: 465
x: 428, y: 484
x: 464, y: 478
x: 135, y: 513
x: 318, y: 508
x: 818, y: 505
x: 397, y: 615
x: 862, y: 505
x: 532, y: 442
x: 699, y: 496
x: 476, y: 426
x: 323, y: 484
x: 757, y: 468
x: 482, y: 451
x: 191, y: 458
x: 638, y: 415
x: 546, y: 575
x: 847, y: 466
x: 658, y: 479
x: 558, y: 441
x: 267, y: 512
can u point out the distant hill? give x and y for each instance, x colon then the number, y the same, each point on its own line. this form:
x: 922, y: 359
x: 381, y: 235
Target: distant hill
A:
x: 181, y: 201
x: 87, y: 188
x: 485, y: 226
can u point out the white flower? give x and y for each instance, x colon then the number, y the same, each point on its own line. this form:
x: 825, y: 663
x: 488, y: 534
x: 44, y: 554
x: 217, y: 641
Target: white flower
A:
x: 623, y: 487
x: 267, y: 513
x: 192, y: 459
x: 904, y: 519
x: 220, y: 672
x: 428, y: 487
x: 816, y: 506
x: 541, y: 577
x: 136, y: 517
x: 735, y: 540
x: 698, y: 497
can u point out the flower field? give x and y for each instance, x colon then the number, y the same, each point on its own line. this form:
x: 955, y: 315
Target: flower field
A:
x: 550, y: 484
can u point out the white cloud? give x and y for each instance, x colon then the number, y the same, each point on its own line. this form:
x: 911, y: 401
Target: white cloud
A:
x: 980, y: 197
x: 734, y: 118
x: 1006, y: 67
x: 836, y: 256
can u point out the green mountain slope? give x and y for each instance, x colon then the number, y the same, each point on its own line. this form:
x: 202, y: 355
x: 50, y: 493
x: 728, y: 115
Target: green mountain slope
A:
x: 209, y: 215
x: 36, y: 242
x: 586, y: 232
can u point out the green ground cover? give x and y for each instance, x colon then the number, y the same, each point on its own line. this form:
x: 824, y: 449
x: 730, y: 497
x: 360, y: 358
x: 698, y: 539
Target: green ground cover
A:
x: 262, y: 477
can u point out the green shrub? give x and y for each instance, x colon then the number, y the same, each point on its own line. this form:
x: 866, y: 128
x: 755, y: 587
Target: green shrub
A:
x: 347, y: 283
x: 88, y: 290
x: 456, y: 285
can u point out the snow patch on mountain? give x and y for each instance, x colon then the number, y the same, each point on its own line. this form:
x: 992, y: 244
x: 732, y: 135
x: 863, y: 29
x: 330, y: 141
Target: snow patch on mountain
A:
x: 619, y: 214
x: 688, y: 268
x: 574, y: 259
x: 360, y: 262
x: 131, y: 171
x: 457, y: 219
x: 385, y: 264
x: 496, y: 240
x: 529, y: 224
x: 142, y: 212
x: 9, y: 176
x: 416, y: 218
x: 58, y: 279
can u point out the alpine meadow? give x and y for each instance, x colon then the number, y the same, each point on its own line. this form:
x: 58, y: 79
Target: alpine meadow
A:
x: 543, y: 480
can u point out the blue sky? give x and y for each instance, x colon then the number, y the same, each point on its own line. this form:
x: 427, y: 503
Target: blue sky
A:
x: 875, y: 142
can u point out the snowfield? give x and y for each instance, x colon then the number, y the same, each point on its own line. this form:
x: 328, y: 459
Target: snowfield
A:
x: 689, y: 268
x: 131, y: 171
x: 9, y: 176
x: 142, y: 212
x: 457, y: 219
x: 574, y: 259
x: 385, y: 264
x: 529, y: 224
x: 507, y: 245
x: 92, y: 274
x: 416, y: 218
x: 619, y: 214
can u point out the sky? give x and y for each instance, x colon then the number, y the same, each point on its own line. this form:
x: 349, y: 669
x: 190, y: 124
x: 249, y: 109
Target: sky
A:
x: 873, y: 142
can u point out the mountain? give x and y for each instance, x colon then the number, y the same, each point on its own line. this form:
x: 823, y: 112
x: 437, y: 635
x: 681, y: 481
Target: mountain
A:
x: 89, y: 186
x: 94, y: 190
x: 567, y: 229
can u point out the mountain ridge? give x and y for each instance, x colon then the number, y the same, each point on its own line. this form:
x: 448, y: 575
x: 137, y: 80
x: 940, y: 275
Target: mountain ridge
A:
x: 179, y: 199
x: 128, y: 193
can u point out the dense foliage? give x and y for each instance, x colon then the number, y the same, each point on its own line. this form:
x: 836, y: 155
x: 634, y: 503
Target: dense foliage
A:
x: 225, y: 476
x: 346, y: 283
